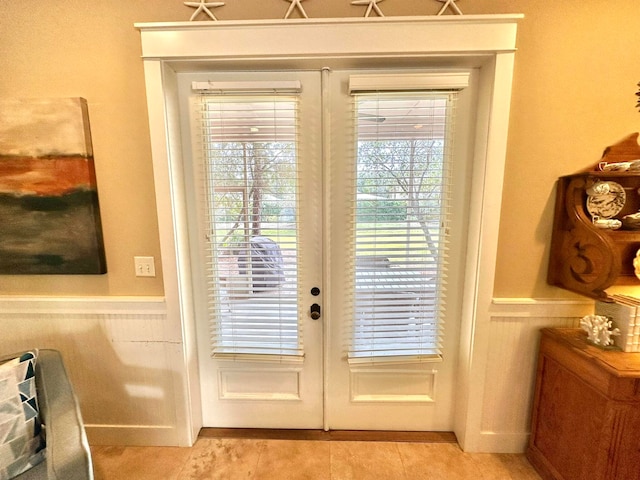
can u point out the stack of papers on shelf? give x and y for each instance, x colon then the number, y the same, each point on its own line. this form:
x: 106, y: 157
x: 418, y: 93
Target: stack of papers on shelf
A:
x: 624, y: 313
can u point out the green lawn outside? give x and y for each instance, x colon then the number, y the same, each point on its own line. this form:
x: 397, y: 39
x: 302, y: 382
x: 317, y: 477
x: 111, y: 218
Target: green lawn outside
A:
x: 389, y: 241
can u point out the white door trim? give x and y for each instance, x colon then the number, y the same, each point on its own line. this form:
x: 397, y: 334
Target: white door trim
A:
x: 486, y: 42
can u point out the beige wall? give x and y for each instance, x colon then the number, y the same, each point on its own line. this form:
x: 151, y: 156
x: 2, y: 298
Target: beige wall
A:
x: 575, y: 79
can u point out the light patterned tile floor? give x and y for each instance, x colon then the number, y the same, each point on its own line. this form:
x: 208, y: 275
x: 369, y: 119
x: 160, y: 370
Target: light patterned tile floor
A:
x: 231, y: 459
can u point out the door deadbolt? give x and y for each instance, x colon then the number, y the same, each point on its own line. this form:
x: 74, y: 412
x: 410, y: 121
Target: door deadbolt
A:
x: 315, y: 311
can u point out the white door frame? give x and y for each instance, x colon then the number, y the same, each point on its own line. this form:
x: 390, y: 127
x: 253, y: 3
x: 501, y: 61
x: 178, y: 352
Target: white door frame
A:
x: 485, y: 42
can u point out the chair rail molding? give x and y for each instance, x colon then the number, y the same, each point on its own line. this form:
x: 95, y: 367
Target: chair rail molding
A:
x: 484, y: 42
x: 513, y: 307
x: 32, y: 304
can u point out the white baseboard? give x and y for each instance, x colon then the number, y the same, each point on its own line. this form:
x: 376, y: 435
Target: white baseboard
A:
x: 494, y: 442
x: 134, y: 435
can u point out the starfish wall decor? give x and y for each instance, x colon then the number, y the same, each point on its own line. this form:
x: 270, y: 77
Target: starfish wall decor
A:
x: 295, y: 4
x: 449, y: 3
x: 203, y: 6
x: 371, y: 5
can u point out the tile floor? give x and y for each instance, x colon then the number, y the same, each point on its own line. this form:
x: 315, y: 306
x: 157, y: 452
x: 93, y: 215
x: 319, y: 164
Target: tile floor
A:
x: 249, y: 459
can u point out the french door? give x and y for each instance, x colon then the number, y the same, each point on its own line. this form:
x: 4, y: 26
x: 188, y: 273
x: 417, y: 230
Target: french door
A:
x: 328, y: 272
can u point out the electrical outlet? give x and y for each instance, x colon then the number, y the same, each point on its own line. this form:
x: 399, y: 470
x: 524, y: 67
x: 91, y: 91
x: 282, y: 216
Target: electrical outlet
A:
x: 145, y: 266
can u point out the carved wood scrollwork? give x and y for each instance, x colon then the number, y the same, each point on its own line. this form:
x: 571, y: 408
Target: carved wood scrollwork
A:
x: 584, y: 258
x: 589, y: 266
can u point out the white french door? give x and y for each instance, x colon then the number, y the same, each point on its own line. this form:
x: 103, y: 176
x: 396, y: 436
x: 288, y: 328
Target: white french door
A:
x: 328, y: 269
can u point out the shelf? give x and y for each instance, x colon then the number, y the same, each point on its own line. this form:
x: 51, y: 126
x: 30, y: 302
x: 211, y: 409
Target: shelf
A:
x: 584, y: 258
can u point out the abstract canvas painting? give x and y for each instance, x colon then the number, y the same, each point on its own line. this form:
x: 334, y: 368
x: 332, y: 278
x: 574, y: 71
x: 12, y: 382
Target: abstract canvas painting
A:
x: 49, y: 211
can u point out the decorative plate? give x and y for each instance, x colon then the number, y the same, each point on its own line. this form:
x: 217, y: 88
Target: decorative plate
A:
x: 607, y: 205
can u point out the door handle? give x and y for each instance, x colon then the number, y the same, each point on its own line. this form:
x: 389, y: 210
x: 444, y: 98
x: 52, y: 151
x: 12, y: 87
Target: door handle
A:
x: 315, y: 311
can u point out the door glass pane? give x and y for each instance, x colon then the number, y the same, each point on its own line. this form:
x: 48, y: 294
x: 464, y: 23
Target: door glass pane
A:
x: 250, y: 146
x: 401, y: 218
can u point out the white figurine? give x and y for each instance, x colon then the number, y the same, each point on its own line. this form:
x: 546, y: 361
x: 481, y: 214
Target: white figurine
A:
x: 449, y: 3
x: 636, y: 264
x: 295, y: 4
x: 203, y: 6
x: 598, y: 328
x: 372, y: 5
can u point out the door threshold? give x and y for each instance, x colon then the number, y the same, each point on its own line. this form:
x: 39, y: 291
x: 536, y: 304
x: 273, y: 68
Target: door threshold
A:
x: 331, y: 435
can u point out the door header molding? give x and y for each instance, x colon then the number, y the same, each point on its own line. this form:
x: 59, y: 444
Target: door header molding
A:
x: 350, y: 37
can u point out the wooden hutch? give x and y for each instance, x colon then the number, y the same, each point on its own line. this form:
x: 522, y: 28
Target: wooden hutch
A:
x: 586, y: 414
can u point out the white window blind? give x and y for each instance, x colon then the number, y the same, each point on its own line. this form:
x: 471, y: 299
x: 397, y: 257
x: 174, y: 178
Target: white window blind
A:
x: 249, y: 141
x: 401, y: 214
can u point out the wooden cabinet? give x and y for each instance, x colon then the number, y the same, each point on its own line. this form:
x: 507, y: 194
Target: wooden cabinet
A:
x: 584, y: 258
x: 586, y: 416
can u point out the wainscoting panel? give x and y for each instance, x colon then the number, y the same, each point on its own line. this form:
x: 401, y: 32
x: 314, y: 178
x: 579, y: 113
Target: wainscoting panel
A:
x: 511, y: 365
x: 116, y: 355
x: 127, y: 367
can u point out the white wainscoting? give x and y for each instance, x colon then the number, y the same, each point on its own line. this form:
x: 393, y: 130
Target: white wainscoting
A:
x: 120, y: 356
x: 511, y: 365
x: 126, y: 363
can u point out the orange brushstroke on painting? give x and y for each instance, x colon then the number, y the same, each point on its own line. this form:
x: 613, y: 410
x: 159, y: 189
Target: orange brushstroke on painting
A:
x: 47, y: 176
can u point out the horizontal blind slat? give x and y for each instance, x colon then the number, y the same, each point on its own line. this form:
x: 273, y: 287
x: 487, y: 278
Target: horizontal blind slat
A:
x: 250, y: 144
x: 401, y: 213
